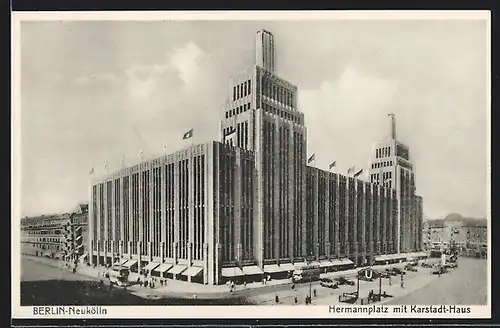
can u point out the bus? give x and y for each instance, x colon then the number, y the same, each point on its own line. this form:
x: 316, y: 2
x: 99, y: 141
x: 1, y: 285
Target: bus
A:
x: 307, y: 273
x: 118, y: 275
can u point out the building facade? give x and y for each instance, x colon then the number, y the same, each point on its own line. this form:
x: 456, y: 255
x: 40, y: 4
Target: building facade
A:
x: 59, y: 236
x: 468, y: 235
x: 244, y: 206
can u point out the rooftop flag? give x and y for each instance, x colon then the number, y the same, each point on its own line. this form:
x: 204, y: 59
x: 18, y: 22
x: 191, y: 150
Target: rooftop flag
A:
x: 350, y: 170
x: 312, y: 158
x: 188, y: 134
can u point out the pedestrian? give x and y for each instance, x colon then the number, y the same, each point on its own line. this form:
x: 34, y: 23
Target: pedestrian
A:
x: 296, y: 300
x: 245, y: 285
x: 293, y: 286
x: 277, y: 299
x: 390, y: 281
x: 314, y: 292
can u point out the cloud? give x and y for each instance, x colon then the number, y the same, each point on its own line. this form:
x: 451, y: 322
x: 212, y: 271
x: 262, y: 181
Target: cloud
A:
x: 174, y: 77
x: 97, y: 79
x: 346, y: 114
x: 186, y: 61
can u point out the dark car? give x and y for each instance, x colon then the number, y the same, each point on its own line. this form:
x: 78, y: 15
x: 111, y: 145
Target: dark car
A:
x: 391, y: 272
x: 344, y: 281
x: 385, y: 275
x: 329, y: 283
x: 410, y: 268
x: 398, y: 271
x: 426, y: 265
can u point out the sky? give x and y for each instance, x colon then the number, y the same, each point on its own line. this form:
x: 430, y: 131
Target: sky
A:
x: 94, y: 92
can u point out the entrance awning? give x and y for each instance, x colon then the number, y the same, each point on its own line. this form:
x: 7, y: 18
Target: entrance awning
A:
x: 129, y: 263
x: 121, y: 262
x: 325, y: 264
x: 287, y: 266
x: 381, y: 258
x: 346, y: 261
x: 273, y: 268
x: 163, y: 267
x: 232, y: 272
x: 252, y: 269
x: 299, y: 265
x: 339, y: 262
x: 151, y: 266
x: 192, y: 271
x: 398, y: 256
x: 177, y: 269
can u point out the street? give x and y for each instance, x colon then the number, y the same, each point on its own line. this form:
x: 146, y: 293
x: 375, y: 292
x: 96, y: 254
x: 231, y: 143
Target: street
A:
x: 32, y: 270
x: 465, y: 285
x: 44, y: 283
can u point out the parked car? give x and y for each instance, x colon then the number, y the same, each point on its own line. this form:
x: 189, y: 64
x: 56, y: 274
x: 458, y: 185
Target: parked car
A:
x: 390, y: 272
x: 344, y: 281
x: 426, y: 265
x: 385, y: 275
x: 438, y: 269
x: 329, y: 283
x: 411, y: 268
x: 451, y: 265
x: 398, y: 271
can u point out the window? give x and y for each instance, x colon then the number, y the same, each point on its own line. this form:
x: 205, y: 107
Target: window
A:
x: 227, y: 114
x: 249, y: 86
x: 234, y: 93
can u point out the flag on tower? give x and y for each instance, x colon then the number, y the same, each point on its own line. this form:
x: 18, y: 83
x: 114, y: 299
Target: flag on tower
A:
x: 312, y: 158
x: 188, y: 134
x: 358, y: 173
x: 91, y: 171
x: 332, y: 165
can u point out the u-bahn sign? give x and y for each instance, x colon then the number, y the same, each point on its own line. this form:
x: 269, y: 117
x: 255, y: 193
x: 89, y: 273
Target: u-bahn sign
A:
x: 368, y: 274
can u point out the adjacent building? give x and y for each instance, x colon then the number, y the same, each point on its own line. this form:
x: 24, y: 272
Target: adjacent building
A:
x: 468, y: 235
x: 245, y: 206
x: 59, y: 236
